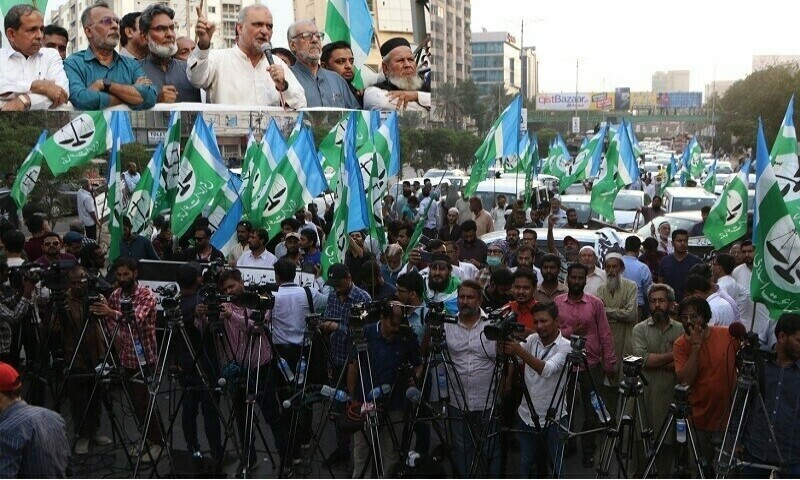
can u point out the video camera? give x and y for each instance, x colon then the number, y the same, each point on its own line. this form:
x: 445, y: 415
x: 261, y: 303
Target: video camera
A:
x: 632, y: 366
x: 254, y: 301
x: 53, y: 277
x: 681, y: 393
x: 577, y: 343
x: 213, y: 271
x: 169, y: 298
x: 503, y: 325
x: 435, y: 319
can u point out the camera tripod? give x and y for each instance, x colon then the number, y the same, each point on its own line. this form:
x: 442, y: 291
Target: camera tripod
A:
x: 747, y: 392
x: 680, y: 412
x: 569, y: 374
x: 624, y: 431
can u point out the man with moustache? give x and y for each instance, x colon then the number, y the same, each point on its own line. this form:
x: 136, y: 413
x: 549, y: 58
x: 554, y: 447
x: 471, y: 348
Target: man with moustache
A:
x: 471, y: 248
x: 249, y: 77
x: 31, y: 77
x: 619, y: 296
x: 167, y: 73
x: 99, y: 77
x: 57, y: 38
x: 652, y: 340
x: 451, y: 230
x: 742, y: 274
x: 133, y: 43
x: 440, y: 283
x: 185, y: 47
x: 338, y: 57
x: 323, y: 88
x: 549, y: 288
x: 402, y: 89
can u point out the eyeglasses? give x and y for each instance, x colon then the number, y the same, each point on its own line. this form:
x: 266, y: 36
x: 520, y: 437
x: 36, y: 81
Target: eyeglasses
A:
x: 690, y: 317
x: 107, y: 21
x: 307, y: 36
x: 51, y: 244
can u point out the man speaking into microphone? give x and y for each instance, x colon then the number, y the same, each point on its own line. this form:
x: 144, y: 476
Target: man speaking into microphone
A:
x: 252, y: 76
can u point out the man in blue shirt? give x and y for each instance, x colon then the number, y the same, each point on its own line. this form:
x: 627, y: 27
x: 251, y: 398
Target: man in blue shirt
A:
x: 780, y: 384
x: 323, y: 88
x: 674, y: 268
x: 98, y: 76
x: 637, y: 272
x: 134, y: 245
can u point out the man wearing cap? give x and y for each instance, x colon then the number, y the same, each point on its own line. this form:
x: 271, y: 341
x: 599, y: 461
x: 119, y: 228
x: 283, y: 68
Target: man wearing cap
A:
x: 73, y: 242
x: 451, y: 230
x: 596, y: 275
x: 402, y: 89
x: 33, y: 440
x: 323, y: 88
x: 341, y: 299
x: 619, y: 296
x: 292, y: 243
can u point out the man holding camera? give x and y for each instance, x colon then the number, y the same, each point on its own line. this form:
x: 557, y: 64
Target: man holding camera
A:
x: 544, y: 354
x: 705, y: 361
x: 780, y: 386
x: 391, y: 350
x: 653, y: 341
x: 133, y: 308
x: 473, y: 361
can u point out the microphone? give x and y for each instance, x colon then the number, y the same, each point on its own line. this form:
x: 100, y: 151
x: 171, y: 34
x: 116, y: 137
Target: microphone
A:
x: 737, y: 330
x: 222, y: 382
x: 289, y: 401
x: 266, y: 48
x: 414, y: 395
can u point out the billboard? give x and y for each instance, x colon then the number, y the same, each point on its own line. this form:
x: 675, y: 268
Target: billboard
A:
x: 642, y: 100
x: 563, y: 101
x: 602, y: 101
x: 622, y: 98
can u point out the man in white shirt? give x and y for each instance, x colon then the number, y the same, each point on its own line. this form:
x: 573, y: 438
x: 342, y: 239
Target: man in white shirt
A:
x: 473, y: 359
x: 761, y: 321
x: 31, y: 77
x: 544, y: 354
x: 722, y: 312
x: 250, y: 76
x: 722, y: 267
x: 87, y: 211
x: 131, y: 176
x: 243, y: 230
x: 402, y: 89
x: 499, y: 213
x: 596, y: 276
x: 558, y: 212
x: 257, y: 256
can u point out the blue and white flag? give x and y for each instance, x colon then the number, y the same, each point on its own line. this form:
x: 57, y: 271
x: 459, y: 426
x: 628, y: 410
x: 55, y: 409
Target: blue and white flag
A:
x: 224, y: 238
x: 357, y: 213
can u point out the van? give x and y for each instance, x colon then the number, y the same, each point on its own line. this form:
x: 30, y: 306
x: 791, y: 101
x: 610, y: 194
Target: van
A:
x: 488, y: 190
x: 687, y: 199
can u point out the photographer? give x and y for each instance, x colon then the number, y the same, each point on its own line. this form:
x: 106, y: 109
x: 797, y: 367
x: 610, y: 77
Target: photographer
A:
x: 473, y: 360
x: 90, y: 353
x: 705, y: 360
x: 390, y: 350
x: 239, y: 326
x: 292, y: 304
x: 544, y: 353
x: 135, y: 307
x: 15, y: 309
x: 195, y: 398
x: 780, y: 384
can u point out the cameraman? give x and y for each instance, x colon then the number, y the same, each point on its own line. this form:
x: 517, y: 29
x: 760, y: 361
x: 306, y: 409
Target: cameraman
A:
x: 473, y: 359
x: 780, y: 384
x: 544, y: 353
x: 389, y: 351
x: 135, y: 342
x: 292, y: 304
x: 238, y: 328
x: 195, y: 398
x: 89, y: 354
x: 14, y: 307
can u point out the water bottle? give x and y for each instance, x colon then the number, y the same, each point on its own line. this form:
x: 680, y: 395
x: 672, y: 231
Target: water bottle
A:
x: 333, y: 394
x: 441, y: 382
x: 598, y: 406
x: 378, y: 392
x: 301, y: 371
x: 413, y: 458
x: 680, y: 430
x: 285, y: 369
x: 137, y: 346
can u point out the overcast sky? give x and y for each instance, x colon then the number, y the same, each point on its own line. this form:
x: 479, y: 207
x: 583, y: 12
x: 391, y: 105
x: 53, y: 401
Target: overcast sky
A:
x: 621, y: 43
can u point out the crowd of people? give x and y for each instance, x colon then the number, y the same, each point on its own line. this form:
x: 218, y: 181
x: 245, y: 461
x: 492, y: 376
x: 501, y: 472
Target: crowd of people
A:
x: 138, y: 60
x: 672, y: 310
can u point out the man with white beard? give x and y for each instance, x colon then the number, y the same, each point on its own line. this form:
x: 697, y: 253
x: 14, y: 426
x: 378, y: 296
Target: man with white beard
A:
x: 619, y: 295
x: 168, y: 74
x: 402, y: 89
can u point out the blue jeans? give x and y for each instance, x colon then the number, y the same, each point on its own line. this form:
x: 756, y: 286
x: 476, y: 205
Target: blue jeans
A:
x: 464, y: 445
x: 529, y: 456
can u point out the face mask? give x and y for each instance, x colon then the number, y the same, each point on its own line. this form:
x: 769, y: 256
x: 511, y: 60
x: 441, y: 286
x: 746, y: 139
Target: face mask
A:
x: 493, y: 261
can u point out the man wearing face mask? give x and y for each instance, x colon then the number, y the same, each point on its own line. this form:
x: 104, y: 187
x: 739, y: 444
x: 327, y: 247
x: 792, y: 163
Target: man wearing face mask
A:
x: 495, y: 260
x: 441, y: 285
x: 705, y: 360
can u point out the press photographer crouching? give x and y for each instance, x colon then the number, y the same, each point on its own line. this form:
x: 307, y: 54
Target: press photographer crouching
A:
x: 392, y: 347
x: 779, y: 384
x: 132, y: 309
x: 246, y: 353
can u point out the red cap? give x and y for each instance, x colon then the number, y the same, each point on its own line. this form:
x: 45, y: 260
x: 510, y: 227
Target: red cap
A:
x: 9, y: 378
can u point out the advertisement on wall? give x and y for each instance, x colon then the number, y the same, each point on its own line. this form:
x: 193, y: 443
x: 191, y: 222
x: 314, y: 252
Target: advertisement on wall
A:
x: 563, y: 101
x: 622, y: 98
x: 602, y: 101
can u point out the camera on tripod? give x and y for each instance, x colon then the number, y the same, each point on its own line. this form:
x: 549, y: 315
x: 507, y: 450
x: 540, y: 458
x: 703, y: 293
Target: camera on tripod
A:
x: 53, y: 277
x: 255, y: 301
x: 503, y: 325
x: 577, y: 343
x: 681, y: 393
x: 632, y: 366
x: 169, y: 297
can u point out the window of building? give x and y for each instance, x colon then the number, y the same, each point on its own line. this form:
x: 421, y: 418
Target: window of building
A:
x: 212, y: 9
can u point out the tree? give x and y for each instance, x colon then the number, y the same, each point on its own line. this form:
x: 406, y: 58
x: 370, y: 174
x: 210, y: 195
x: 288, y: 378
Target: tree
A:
x: 469, y: 96
x: 764, y: 94
x: 465, y: 144
x: 545, y: 136
x: 446, y: 101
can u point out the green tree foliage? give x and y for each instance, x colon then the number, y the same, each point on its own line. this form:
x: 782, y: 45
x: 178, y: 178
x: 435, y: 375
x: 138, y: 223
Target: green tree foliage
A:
x: 764, y: 94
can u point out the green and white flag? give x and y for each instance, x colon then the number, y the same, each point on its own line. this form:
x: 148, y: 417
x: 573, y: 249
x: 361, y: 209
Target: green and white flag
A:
x: 604, y: 190
x: 727, y: 220
x: 351, y: 21
x: 140, y: 207
x: 170, y: 166
x: 672, y: 169
x: 533, y: 161
x: 502, y: 140
x: 248, y: 162
x: 582, y: 167
x: 114, y: 199
x: 383, y: 142
x: 28, y: 173
x: 711, y: 178
x: 201, y: 177
x: 77, y: 143
x: 336, y: 243
x: 785, y: 163
x: 272, y: 154
x: 776, y: 276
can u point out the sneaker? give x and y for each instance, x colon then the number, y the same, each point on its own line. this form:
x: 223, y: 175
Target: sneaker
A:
x: 101, y: 440
x: 82, y: 447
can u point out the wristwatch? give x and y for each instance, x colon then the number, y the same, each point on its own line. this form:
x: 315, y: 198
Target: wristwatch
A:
x: 106, y: 84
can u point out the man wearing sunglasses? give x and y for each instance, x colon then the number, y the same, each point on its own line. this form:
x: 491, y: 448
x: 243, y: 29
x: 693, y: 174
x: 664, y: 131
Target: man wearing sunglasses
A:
x: 323, y: 88
x: 202, y: 251
x: 51, y: 245
x: 98, y: 76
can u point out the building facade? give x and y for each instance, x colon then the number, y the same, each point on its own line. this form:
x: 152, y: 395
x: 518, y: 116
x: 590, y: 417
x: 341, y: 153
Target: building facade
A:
x: 451, y: 36
x: 498, y: 60
x: 671, y: 81
x: 719, y: 87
